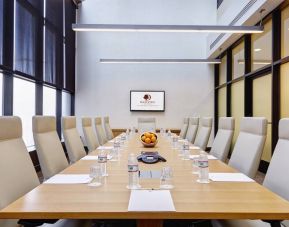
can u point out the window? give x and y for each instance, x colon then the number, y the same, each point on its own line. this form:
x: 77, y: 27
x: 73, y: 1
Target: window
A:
x: 223, y: 71
x: 24, y: 107
x: 50, y: 56
x: 238, y: 63
x: 1, y: 94
x: 49, y: 101
x: 285, y: 33
x: 66, y: 104
x: 25, y: 39
x: 262, y: 47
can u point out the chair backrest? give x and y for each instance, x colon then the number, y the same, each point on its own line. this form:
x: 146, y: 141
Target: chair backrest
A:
x: 89, y: 136
x: 17, y: 173
x: 146, y: 124
x: 204, y: 132
x: 192, y: 129
x: 73, y: 143
x: 276, y: 178
x: 223, y: 139
x: 184, y: 128
x: 99, y: 130
x: 249, y: 145
x: 107, y: 128
x: 50, y: 152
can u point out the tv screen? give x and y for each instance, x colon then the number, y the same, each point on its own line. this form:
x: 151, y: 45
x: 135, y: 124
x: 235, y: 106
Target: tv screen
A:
x: 151, y: 101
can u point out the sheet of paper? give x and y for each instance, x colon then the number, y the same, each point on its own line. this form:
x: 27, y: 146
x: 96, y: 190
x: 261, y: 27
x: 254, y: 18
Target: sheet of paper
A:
x: 230, y: 177
x: 193, y: 147
x: 211, y: 157
x: 94, y: 157
x: 105, y: 148
x: 151, y: 200
x: 90, y: 157
x: 69, y: 179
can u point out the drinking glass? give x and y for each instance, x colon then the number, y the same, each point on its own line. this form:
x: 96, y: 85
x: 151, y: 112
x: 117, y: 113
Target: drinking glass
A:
x: 96, y: 176
x: 166, y: 178
x: 114, y: 154
x: 195, y: 165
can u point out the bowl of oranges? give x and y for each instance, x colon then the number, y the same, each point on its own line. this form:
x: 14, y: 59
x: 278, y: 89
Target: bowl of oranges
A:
x: 149, y: 139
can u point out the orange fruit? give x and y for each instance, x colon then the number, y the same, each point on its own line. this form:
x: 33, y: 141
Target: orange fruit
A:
x: 148, y: 140
x: 147, y: 134
x: 143, y: 138
x: 153, y: 139
x: 150, y: 135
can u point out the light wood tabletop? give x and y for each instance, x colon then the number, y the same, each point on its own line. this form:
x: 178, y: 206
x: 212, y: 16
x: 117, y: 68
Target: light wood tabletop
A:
x: 192, y: 200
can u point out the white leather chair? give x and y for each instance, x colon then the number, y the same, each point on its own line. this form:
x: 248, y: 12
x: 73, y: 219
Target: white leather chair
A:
x: 192, y: 129
x: 249, y: 145
x: 107, y: 128
x: 50, y: 152
x: 184, y: 128
x: 99, y: 131
x: 73, y: 143
x: 275, y: 180
x: 146, y: 124
x: 203, y: 133
x: 17, y: 174
x: 15, y: 182
x: 90, y: 137
x: 223, y: 139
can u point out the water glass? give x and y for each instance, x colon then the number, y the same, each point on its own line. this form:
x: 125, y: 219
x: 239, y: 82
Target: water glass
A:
x: 175, y: 142
x: 166, y: 178
x: 195, y: 165
x: 96, y: 176
x: 114, y: 154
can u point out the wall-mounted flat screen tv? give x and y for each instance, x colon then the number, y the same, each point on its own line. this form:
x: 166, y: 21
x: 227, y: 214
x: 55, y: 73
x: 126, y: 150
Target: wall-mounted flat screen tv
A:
x: 150, y: 101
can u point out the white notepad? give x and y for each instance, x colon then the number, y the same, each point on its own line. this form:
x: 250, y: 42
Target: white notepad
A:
x: 94, y: 157
x: 194, y: 147
x: 105, y: 148
x: 230, y: 177
x: 151, y: 200
x: 209, y: 156
x: 69, y: 179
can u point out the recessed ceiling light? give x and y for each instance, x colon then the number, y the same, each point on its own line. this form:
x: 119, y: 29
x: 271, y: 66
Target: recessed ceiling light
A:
x: 166, y: 28
x: 257, y: 49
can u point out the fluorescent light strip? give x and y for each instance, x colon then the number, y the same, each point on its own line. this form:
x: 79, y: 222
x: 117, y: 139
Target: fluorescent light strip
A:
x: 166, y: 28
x: 160, y: 61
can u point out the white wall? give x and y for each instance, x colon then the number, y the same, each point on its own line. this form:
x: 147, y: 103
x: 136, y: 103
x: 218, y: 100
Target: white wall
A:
x: 103, y: 89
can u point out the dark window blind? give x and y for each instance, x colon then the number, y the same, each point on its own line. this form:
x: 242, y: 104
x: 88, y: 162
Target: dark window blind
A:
x: 50, y: 56
x: 25, y: 39
x: 70, y: 14
x: 1, y: 32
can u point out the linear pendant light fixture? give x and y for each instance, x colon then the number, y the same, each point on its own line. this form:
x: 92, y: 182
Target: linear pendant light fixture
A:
x: 167, y: 28
x: 160, y: 61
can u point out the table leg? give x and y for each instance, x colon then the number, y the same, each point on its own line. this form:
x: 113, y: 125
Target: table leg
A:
x: 149, y: 223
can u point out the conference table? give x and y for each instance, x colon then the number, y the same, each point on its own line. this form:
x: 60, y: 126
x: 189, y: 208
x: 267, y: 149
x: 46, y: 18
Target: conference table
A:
x: 192, y: 200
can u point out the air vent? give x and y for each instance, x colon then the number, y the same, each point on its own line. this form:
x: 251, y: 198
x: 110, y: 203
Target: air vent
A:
x: 233, y: 22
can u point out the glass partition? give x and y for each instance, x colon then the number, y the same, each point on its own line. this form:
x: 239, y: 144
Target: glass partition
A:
x: 238, y: 62
x: 262, y: 99
x: 262, y: 47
